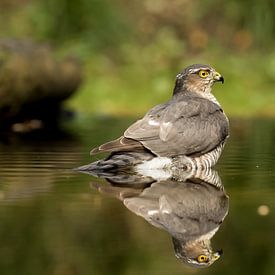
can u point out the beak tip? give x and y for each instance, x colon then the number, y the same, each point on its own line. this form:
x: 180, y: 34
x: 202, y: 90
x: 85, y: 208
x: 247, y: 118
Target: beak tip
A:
x: 218, y: 254
x: 218, y: 77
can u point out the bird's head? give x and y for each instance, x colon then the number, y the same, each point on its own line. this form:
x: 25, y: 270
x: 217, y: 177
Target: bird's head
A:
x: 196, y: 253
x: 197, y: 78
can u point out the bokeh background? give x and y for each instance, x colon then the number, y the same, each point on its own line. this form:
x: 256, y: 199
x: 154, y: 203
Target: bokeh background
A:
x: 132, y: 50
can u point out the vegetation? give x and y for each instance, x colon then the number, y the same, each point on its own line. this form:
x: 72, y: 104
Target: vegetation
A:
x: 132, y: 50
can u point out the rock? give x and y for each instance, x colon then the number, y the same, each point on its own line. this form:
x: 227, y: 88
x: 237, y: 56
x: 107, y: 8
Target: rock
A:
x: 33, y: 82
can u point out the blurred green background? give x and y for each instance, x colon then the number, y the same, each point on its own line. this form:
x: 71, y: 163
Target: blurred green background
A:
x: 132, y: 50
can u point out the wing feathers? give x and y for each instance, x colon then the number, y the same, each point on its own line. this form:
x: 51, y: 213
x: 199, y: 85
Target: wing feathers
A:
x: 191, y: 126
x: 187, y: 127
x: 120, y: 144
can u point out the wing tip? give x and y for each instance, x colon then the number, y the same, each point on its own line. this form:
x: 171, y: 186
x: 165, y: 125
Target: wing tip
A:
x: 119, y: 144
x: 94, y: 151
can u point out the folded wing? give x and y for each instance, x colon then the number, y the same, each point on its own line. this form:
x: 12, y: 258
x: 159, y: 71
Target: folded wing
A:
x: 192, y: 126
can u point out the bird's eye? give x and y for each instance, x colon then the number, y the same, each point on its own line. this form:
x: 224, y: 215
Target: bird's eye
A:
x: 202, y: 259
x: 203, y: 73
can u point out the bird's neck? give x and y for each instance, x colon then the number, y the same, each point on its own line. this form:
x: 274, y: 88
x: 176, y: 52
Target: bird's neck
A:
x: 210, y: 97
x: 206, y: 95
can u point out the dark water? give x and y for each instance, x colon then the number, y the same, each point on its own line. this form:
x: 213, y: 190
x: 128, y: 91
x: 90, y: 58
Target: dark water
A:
x: 54, y: 221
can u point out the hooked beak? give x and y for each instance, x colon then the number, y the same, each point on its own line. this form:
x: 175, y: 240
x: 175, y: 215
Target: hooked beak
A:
x: 217, y: 255
x: 218, y: 77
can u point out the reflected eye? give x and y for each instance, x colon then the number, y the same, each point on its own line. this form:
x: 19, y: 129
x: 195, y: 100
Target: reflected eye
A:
x: 202, y: 259
x: 203, y: 73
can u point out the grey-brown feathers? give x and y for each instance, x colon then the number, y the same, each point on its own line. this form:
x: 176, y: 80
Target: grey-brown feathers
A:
x: 192, y: 123
x: 188, y: 126
x: 120, y: 144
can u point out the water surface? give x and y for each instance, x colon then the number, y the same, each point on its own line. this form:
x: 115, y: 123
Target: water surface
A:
x: 53, y: 220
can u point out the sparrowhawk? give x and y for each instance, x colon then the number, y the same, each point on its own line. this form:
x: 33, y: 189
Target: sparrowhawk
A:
x: 191, y: 125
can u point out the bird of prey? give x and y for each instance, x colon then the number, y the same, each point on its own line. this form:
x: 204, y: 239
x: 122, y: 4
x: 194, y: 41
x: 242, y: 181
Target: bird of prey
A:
x: 190, y: 210
x: 191, y: 124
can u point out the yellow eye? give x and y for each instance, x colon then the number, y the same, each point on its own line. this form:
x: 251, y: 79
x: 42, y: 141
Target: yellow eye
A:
x: 202, y: 259
x: 203, y: 73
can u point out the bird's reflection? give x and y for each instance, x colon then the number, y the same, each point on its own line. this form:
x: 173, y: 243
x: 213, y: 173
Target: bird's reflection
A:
x: 190, y: 206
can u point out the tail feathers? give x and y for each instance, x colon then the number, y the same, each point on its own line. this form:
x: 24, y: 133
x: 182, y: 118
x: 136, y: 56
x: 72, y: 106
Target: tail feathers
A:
x: 100, y: 168
x: 120, y: 144
x: 115, y: 162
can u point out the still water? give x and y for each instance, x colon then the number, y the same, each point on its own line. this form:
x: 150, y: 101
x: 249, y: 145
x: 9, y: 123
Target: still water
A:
x: 56, y: 221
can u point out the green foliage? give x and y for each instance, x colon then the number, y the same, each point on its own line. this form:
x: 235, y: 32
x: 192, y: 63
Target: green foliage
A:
x: 133, y: 89
x: 132, y: 50
x: 98, y: 22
